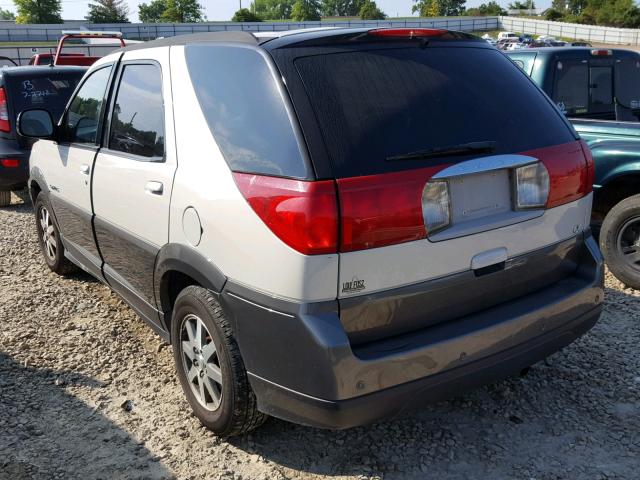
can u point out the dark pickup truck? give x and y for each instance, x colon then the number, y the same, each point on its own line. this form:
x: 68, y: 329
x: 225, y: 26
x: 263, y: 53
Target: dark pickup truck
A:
x: 599, y: 90
x: 22, y: 88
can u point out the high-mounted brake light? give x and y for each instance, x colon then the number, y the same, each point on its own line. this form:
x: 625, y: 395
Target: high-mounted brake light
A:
x: 302, y: 214
x: 5, y: 126
x: 601, y: 53
x: 408, y: 32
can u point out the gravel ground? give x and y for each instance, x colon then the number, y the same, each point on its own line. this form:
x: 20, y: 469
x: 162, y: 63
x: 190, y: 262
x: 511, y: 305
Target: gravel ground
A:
x: 88, y: 391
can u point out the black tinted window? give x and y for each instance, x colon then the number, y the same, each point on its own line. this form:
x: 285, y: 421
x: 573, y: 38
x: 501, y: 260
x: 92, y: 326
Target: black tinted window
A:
x: 48, y: 92
x: 84, y: 112
x: 372, y: 105
x: 628, y: 83
x: 602, y: 86
x: 572, y: 86
x: 137, y: 125
x: 245, y: 110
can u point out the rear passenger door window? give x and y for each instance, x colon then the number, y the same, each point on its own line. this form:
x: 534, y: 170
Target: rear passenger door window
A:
x: 137, y: 121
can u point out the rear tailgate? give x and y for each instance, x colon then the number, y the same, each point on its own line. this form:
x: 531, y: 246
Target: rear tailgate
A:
x: 377, y: 110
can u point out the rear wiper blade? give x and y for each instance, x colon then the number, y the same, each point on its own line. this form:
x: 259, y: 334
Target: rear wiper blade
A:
x: 448, y: 151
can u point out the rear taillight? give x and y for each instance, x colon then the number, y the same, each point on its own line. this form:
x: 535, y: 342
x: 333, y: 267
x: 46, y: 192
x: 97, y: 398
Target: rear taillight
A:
x: 407, y: 32
x: 569, y: 172
x: 304, y: 215
x: 5, y: 126
x: 9, y: 162
x: 386, y: 209
x: 601, y: 53
x: 591, y: 165
x: 392, y: 208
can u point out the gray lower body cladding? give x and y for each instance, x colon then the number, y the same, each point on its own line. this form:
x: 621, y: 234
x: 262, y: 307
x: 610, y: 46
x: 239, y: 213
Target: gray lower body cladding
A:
x: 305, y: 368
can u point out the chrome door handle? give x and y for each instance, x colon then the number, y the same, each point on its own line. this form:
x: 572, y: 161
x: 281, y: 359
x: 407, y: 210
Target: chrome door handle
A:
x: 85, y: 169
x: 154, y: 188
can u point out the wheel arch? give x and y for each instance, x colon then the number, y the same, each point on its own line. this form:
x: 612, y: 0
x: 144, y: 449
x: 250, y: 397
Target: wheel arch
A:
x: 177, y: 267
x: 36, y: 184
x: 614, y: 189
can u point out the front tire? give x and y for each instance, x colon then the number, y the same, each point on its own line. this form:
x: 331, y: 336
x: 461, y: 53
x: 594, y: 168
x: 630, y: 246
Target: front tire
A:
x: 49, y: 239
x: 620, y: 241
x: 209, y: 365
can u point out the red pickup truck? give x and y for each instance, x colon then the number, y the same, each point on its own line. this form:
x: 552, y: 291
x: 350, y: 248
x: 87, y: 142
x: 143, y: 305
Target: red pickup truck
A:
x: 79, y: 59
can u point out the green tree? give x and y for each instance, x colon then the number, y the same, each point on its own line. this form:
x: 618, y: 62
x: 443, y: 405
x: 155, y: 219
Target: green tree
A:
x: 612, y: 13
x: 108, y: 11
x: 553, y: 15
x: 182, y: 11
x: 152, y: 12
x: 272, y: 9
x: 526, y: 5
x: 341, y: 8
x: 370, y: 11
x: 6, y: 14
x: 490, y: 9
x: 245, y: 15
x: 306, y: 10
x: 437, y: 8
x: 38, y: 11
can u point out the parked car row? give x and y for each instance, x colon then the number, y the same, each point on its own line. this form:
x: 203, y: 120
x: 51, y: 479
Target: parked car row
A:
x: 513, y: 41
x: 326, y: 225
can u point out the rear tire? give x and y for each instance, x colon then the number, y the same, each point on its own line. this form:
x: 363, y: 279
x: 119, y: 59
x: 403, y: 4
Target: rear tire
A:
x: 49, y: 239
x: 209, y: 365
x: 620, y: 241
x: 5, y: 199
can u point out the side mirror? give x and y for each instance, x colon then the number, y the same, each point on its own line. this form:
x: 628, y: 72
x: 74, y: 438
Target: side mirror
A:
x: 35, y: 123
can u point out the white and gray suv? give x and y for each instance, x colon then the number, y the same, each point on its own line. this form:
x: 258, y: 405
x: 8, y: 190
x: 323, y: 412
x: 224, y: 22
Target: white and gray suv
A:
x: 330, y: 226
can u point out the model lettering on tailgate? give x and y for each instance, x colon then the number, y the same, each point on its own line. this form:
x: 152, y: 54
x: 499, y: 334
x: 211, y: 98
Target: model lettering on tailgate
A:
x: 354, y: 285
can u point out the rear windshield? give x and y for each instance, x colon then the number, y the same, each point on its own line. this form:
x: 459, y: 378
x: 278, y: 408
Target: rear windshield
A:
x: 48, y: 92
x: 376, y: 104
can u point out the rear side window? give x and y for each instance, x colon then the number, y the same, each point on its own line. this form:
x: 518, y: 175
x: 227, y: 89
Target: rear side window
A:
x: 378, y: 104
x: 246, y: 110
x: 627, y: 83
x: 571, y: 92
x: 49, y: 92
x: 137, y: 124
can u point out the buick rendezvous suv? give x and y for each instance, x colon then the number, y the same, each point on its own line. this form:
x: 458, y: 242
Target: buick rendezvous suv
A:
x: 330, y: 227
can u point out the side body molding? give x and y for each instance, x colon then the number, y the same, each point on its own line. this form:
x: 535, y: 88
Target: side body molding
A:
x: 188, y: 261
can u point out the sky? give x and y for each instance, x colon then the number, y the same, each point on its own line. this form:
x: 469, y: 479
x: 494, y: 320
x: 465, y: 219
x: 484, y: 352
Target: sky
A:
x: 224, y: 9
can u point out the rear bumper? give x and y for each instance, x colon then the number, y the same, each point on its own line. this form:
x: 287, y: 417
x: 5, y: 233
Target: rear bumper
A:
x: 13, y: 178
x: 303, y: 368
x: 299, y: 408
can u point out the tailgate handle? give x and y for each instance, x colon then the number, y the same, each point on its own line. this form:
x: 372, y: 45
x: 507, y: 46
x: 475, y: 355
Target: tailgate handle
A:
x: 489, y: 258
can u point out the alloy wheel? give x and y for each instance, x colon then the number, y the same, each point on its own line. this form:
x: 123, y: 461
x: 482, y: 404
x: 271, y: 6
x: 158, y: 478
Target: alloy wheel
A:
x: 201, y: 362
x: 48, y: 234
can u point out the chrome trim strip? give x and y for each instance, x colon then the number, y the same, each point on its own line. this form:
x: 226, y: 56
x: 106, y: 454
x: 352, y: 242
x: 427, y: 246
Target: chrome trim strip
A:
x: 484, y: 164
